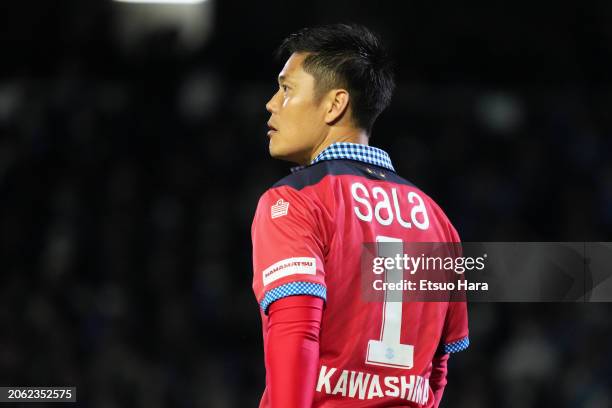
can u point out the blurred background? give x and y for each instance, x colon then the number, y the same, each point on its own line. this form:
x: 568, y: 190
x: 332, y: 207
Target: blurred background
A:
x: 133, y: 151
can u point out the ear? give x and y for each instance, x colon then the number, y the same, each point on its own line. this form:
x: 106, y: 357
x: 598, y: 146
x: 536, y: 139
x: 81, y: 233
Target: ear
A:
x: 337, y: 105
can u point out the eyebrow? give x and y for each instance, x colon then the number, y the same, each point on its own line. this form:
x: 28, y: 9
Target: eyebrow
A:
x: 282, y: 78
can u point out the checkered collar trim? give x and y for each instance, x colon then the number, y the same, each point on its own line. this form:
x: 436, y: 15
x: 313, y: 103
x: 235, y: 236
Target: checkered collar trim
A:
x: 352, y: 151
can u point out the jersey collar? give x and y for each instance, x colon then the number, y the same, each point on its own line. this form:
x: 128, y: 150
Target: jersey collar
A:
x: 352, y: 151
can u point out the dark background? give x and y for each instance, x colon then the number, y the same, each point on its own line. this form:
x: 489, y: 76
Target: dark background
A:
x: 130, y: 169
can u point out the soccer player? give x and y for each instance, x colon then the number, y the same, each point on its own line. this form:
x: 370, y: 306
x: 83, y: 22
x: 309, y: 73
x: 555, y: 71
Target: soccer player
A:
x: 324, y: 345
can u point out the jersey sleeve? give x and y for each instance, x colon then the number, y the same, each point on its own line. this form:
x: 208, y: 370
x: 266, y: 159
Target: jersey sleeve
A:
x: 288, y: 247
x: 455, y: 335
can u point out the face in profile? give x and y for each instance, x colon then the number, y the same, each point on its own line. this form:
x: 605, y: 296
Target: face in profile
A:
x: 297, y: 122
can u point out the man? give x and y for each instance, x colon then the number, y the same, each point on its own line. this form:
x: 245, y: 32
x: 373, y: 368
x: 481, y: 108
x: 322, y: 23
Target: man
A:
x: 325, y: 346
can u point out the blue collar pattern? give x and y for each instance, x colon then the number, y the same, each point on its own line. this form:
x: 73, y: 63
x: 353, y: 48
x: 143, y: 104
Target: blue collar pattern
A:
x: 352, y: 151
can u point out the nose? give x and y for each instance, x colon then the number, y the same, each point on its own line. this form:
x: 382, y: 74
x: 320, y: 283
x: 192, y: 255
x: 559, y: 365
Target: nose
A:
x: 271, y: 105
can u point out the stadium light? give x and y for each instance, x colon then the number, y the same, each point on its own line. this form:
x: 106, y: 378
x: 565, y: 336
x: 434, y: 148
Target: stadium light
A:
x: 162, y: 1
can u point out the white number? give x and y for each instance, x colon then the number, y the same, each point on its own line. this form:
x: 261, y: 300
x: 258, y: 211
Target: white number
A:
x: 388, y: 351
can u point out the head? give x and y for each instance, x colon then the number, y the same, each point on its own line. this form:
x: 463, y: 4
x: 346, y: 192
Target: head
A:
x: 336, y: 80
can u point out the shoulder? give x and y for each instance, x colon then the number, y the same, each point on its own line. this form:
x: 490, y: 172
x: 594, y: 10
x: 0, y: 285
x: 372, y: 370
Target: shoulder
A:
x: 288, y: 207
x: 297, y: 194
x: 276, y: 200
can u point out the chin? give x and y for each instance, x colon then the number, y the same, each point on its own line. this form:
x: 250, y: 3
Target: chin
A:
x: 274, y: 151
x: 278, y: 152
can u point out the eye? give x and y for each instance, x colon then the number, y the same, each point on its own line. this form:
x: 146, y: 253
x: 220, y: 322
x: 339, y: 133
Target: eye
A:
x: 284, y: 87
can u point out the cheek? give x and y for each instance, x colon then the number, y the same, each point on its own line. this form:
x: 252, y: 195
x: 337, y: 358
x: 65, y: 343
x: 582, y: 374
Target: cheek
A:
x: 300, y: 119
x: 285, y: 102
x: 291, y: 114
x: 300, y: 110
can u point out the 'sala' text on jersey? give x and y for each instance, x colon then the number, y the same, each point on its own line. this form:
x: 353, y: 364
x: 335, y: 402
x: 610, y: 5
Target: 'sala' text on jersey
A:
x: 388, y: 207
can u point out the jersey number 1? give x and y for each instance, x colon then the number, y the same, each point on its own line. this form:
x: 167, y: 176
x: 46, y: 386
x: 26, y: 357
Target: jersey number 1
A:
x: 388, y: 351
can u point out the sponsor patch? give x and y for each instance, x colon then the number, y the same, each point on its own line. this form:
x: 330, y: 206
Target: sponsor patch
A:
x: 289, y: 266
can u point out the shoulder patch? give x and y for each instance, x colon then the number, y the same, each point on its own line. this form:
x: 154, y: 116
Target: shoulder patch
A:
x: 279, y: 209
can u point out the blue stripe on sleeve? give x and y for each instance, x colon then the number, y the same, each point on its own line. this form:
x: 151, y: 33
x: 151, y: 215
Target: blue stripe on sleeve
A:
x: 292, y: 289
x: 456, y: 346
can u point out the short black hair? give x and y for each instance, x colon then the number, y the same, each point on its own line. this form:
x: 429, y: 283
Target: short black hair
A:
x: 348, y: 56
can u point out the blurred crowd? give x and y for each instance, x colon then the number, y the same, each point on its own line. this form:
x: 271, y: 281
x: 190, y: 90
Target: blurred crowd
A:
x: 127, y: 193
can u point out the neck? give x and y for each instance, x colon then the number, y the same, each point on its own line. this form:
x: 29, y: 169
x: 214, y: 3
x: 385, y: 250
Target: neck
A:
x: 338, y: 135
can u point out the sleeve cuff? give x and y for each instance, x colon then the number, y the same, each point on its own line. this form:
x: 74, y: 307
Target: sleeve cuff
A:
x: 292, y: 289
x: 456, y: 346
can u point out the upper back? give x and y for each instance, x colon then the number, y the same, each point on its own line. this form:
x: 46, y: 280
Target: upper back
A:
x: 309, y: 234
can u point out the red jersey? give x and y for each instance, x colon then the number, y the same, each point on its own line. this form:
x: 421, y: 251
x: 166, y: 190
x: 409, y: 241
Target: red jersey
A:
x: 308, y: 233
